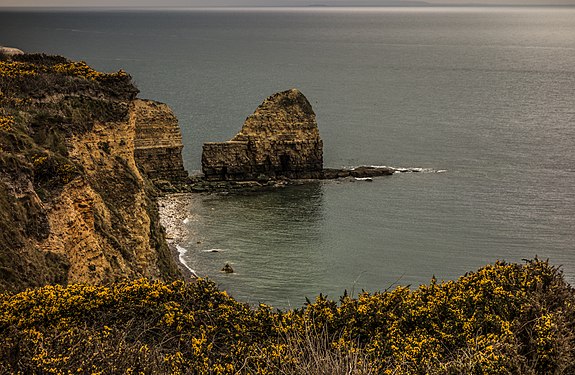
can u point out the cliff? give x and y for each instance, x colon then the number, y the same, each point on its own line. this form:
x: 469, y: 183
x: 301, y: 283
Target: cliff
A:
x: 158, y: 143
x: 279, y: 140
x: 74, y: 207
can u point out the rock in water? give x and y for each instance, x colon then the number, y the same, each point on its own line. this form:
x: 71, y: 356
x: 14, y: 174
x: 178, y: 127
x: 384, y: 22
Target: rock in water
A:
x: 227, y: 268
x: 279, y: 140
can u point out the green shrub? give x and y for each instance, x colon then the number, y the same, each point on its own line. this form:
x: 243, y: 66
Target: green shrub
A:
x: 51, y: 171
x: 504, y: 318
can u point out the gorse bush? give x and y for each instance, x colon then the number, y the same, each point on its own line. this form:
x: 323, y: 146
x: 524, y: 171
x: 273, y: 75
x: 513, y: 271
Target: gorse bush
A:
x: 504, y: 318
x: 47, y: 100
x: 38, y: 76
x: 6, y: 123
x: 38, y: 64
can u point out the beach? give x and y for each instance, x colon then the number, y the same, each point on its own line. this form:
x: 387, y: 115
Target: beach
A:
x: 174, y: 210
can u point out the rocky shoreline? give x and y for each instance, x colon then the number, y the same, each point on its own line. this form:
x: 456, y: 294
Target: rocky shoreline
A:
x: 199, y: 184
x: 174, y: 210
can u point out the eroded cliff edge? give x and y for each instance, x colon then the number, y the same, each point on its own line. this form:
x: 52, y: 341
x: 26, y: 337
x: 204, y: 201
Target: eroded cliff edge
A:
x: 158, y: 145
x: 74, y: 206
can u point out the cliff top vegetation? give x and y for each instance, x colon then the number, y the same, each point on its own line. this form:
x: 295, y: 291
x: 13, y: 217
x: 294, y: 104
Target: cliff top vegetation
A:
x: 504, y: 318
x: 37, y: 76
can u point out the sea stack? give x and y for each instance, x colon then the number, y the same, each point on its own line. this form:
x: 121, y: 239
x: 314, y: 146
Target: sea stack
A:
x: 279, y: 140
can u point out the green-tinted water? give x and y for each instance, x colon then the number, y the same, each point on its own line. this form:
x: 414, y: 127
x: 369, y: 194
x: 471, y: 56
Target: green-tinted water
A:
x: 487, y: 94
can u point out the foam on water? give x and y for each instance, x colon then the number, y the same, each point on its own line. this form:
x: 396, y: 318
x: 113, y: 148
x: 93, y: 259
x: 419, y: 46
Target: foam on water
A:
x: 181, y: 252
x: 411, y: 169
x: 215, y: 250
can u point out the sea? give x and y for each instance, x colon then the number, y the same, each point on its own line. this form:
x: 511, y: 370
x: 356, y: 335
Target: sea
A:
x: 482, y: 99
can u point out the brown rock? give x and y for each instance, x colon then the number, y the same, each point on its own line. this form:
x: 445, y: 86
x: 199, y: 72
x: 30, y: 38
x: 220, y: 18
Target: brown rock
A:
x: 365, y: 172
x: 330, y: 174
x: 279, y: 140
x: 158, y: 142
x: 227, y: 268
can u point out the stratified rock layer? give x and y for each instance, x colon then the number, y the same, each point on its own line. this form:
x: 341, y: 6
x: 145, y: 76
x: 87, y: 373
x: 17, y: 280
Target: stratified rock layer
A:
x: 279, y: 140
x: 74, y: 206
x: 158, y: 143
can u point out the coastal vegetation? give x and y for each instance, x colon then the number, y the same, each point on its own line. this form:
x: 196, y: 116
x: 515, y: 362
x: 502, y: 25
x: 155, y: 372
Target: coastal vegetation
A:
x: 44, y: 99
x: 32, y: 76
x: 74, y: 206
x: 503, y: 318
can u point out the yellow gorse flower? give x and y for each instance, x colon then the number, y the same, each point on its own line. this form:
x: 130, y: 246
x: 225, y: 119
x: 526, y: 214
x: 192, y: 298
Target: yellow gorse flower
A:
x: 6, y: 123
x: 486, y: 322
x: 72, y: 68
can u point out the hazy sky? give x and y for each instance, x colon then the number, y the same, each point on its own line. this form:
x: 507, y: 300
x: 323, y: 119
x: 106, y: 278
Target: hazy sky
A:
x: 194, y: 3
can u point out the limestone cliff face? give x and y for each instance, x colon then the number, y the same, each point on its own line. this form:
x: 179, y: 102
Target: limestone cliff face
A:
x: 74, y: 205
x: 280, y: 139
x: 116, y: 233
x: 158, y: 143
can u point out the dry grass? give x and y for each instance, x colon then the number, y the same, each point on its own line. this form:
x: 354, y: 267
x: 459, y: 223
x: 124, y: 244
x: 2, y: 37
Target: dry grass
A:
x: 313, y: 352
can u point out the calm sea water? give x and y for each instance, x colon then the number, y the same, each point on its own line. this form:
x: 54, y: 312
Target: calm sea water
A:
x: 487, y: 94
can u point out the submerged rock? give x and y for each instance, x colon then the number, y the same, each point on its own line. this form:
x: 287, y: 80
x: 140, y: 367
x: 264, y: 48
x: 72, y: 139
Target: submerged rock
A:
x: 365, y: 172
x: 359, y: 172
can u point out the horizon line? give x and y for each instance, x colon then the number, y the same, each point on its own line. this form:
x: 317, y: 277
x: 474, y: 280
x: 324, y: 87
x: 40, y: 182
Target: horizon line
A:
x: 418, y: 4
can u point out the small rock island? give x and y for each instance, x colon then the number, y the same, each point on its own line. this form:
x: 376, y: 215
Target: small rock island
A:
x: 280, y: 141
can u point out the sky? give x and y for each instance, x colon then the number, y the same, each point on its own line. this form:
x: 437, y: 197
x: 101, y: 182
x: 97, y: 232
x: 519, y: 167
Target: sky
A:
x: 210, y: 3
